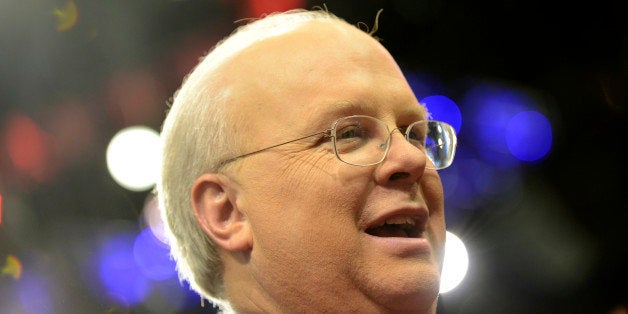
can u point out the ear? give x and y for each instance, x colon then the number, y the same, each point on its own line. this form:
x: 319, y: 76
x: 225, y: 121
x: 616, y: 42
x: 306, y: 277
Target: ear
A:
x: 214, y: 201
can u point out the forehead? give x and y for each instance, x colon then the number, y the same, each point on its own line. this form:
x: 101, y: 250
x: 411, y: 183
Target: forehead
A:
x: 320, y: 69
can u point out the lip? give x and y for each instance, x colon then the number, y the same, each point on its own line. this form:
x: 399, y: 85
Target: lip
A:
x: 402, y: 246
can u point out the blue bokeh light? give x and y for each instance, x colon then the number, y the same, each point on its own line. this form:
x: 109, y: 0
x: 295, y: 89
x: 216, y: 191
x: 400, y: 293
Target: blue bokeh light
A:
x: 488, y: 109
x: 123, y: 279
x: 153, y: 256
x: 442, y: 108
x: 529, y: 136
x: 34, y: 294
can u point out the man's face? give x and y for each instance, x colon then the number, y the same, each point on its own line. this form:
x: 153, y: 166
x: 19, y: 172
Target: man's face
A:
x: 325, y: 233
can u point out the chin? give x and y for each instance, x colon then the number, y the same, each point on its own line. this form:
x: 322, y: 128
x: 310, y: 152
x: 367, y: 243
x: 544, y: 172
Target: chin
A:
x: 421, y: 296
x: 409, y: 292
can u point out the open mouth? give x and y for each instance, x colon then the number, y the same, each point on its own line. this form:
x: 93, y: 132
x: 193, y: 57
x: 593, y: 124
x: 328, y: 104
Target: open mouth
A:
x: 400, y: 227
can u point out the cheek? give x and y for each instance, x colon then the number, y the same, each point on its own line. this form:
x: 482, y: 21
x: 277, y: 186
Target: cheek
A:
x: 304, y: 208
x: 311, y: 186
x: 437, y: 236
x: 432, y: 190
x: 305, y: 236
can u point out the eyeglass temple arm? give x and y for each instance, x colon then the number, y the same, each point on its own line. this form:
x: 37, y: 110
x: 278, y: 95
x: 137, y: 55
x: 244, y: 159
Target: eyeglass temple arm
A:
x: 327, y: 133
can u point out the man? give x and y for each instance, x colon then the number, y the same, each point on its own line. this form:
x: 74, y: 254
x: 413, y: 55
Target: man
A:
x: 295, y: 178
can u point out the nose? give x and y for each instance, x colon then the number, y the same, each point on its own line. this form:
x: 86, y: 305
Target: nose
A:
x: 403, y: 162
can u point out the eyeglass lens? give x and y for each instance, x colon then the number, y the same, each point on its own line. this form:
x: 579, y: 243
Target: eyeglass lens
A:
x: 364, y: 140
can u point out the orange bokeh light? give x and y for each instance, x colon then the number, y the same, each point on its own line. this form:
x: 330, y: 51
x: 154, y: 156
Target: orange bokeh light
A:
x: 257, y: 8
x: 66, y: 17
x: 28, y: 147
x: 12, y: 267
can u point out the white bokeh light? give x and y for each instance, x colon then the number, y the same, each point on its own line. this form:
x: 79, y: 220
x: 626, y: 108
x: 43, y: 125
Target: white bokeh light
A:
x: 133, y: 157
x: 455, y: 264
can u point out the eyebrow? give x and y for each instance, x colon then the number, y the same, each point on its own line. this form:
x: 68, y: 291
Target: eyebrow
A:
x: 343, y: 108
x: 420, y: 112
x: 346, y: 107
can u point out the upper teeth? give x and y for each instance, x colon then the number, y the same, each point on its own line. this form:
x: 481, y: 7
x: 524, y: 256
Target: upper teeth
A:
x: 400, y: 221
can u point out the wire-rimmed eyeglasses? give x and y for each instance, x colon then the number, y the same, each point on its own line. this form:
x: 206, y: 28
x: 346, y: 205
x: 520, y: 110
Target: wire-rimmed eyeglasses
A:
x: 364, y: 141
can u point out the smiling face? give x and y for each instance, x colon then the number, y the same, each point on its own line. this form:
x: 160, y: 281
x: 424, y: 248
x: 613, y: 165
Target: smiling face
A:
x: 326, y: 235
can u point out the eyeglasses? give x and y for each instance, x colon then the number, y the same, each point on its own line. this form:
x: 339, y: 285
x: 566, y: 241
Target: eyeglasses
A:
x: 364, y: 141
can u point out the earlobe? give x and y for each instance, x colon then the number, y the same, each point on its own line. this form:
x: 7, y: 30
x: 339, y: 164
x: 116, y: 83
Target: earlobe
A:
x: 216, y: 210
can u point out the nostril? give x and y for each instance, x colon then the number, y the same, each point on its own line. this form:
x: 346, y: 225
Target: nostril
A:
x: 399, y: 175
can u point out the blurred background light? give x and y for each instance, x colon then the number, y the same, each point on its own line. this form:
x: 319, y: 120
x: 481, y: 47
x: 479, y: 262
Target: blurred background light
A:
x: 443, y: 108
x: 133, y: 157
x: 137, y: 274
x: 455, y: 264
x: 153, y: 256
x: 12, y: 267
x: 34, y: 294
x: 28, y: 147
x: 257, y: 8
x: 66, y: 17
x: 489, y: 108
x: 123, y: 280
x: 529, y: 136
x: 151, y: 218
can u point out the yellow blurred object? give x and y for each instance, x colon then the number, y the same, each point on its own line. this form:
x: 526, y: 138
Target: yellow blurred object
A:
x: 66, y: 17
x: 12, y: 267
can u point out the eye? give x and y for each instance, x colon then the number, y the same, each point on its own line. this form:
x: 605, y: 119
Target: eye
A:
x: 350, y: 132
x: 416, y: 136
x: 350, y: 138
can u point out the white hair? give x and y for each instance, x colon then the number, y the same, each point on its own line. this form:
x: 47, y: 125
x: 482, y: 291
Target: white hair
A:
x: 197, y: 134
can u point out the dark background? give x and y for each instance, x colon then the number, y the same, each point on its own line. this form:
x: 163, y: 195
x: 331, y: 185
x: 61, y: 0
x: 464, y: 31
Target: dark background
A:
x: 122, y: 60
